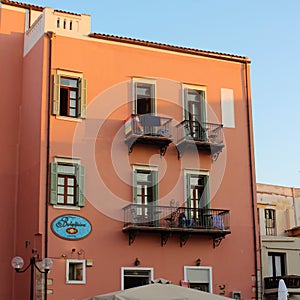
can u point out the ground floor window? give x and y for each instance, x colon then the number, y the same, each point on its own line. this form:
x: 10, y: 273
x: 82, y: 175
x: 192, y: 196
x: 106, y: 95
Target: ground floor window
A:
x: 133, y: 277
x: 75, y: 271
x: 199, y: 278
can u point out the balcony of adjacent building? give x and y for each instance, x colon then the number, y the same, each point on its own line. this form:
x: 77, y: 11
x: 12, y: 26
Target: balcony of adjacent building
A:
x: 148, y: 129
x: 171, y: 220
x: 292, y: 283
x: 202, y: 136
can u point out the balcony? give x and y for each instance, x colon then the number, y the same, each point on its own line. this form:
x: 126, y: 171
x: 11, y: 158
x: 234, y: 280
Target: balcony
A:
x: 171, y: 220
x: 148, y: 129
x: 292, y: 283
x: 204, y: 136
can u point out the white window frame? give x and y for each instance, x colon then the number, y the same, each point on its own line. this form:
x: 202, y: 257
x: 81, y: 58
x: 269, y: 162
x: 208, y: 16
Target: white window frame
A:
x: 186, y: 268
x: 77, y: 261
x: 135, y: 268
x: 134, y: 100
x: 192, y: 87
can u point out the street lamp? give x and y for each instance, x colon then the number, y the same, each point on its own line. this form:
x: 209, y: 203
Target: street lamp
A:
x: 17, y: 263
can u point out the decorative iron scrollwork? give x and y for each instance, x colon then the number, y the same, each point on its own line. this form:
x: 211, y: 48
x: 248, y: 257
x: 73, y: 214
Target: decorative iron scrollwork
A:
x: 217, y: 241
x: 164, y: 237
x: 183, y: 238
x: 132, y: 235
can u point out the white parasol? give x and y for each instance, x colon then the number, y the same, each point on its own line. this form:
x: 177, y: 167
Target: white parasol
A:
x: 282, y: 290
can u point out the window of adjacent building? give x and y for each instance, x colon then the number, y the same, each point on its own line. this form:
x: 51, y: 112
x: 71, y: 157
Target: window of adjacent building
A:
x: 145, y: 188
x: 67, y: 183
x: 76, y: 271
x: 144, y: 101
x: 194, y: 105
x: 197, y: 196
x: 69, y: 96
x: 133, y: 277
x: 199, y: 278
x: 270, y: 221
x: 276, y: 264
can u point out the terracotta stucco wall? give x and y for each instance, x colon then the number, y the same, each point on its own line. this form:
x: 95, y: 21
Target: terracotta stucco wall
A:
x: 11, y: 49
x: 107, y: 66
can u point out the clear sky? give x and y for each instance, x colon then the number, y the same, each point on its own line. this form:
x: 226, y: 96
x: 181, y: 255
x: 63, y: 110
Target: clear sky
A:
x: 268, y: 31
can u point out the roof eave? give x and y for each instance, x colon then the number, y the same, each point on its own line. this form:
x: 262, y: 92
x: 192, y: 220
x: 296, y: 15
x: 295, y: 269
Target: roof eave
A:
x: 210, y: 54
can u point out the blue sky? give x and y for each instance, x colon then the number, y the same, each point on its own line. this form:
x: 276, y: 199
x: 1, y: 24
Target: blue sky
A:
x: 265, y: 30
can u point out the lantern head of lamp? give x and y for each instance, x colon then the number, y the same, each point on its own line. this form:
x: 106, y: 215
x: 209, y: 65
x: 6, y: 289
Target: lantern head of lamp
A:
x: 17, y: 263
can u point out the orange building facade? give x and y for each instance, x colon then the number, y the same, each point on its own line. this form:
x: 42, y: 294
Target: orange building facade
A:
x: 123, y: 161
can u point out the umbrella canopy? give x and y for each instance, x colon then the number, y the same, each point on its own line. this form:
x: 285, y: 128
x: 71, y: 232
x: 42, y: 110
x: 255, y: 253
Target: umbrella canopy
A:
x: 159, y: 291
x: 282, y: 290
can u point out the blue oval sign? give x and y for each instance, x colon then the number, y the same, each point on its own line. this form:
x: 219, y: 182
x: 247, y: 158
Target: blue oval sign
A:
x: 71, y: 227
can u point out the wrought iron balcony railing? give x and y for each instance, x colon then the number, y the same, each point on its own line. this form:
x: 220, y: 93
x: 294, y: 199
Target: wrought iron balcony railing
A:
x: 200, y: 132
x: 140, y: 215
x: 205, y: 136
x: 168, y: 220
x: 291, y: 282
x: 148, y: 125
x: 148, y: 129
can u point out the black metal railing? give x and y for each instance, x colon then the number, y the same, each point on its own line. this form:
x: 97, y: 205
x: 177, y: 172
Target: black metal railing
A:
x: 291, y: 282
x: 200, y: 132
x: 148, y: 125
x: 175, y: 217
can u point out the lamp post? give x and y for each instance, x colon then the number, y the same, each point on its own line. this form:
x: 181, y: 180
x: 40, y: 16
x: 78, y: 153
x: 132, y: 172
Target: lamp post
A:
x: 17, y: 263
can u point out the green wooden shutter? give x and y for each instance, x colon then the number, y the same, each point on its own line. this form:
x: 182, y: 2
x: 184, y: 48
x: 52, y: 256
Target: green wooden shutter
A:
x: 53, y: 183
x: 206, y: 192
x: 153, y: 100
x: 155, y: 185
x: 134, y: 97
x: 202, y: 107
x: 186, y: 104
x: 188, y: 189
x: 82, y: 96
x: 56, y: 94
x: 134, y: 186
x: 80, y: 185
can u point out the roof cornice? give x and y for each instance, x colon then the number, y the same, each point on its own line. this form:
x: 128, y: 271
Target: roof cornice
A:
x: 191, y: 51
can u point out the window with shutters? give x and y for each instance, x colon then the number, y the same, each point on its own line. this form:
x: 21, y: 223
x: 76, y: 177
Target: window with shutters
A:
x: 69, y: 96
x: 67, y: 183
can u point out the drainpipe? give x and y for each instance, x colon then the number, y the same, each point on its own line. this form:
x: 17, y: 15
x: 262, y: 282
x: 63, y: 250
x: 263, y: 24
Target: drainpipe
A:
x: 253, y: 181
x: 50, y: 36
x: 294, y: 205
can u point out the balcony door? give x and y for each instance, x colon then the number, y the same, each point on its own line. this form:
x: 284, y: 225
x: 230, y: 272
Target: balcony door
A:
x: 145, y: 192
x: 197, y: 189
x: 195, y: 112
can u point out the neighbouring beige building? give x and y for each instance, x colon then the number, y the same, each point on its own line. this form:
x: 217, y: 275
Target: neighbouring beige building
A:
x: 279, y: 223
